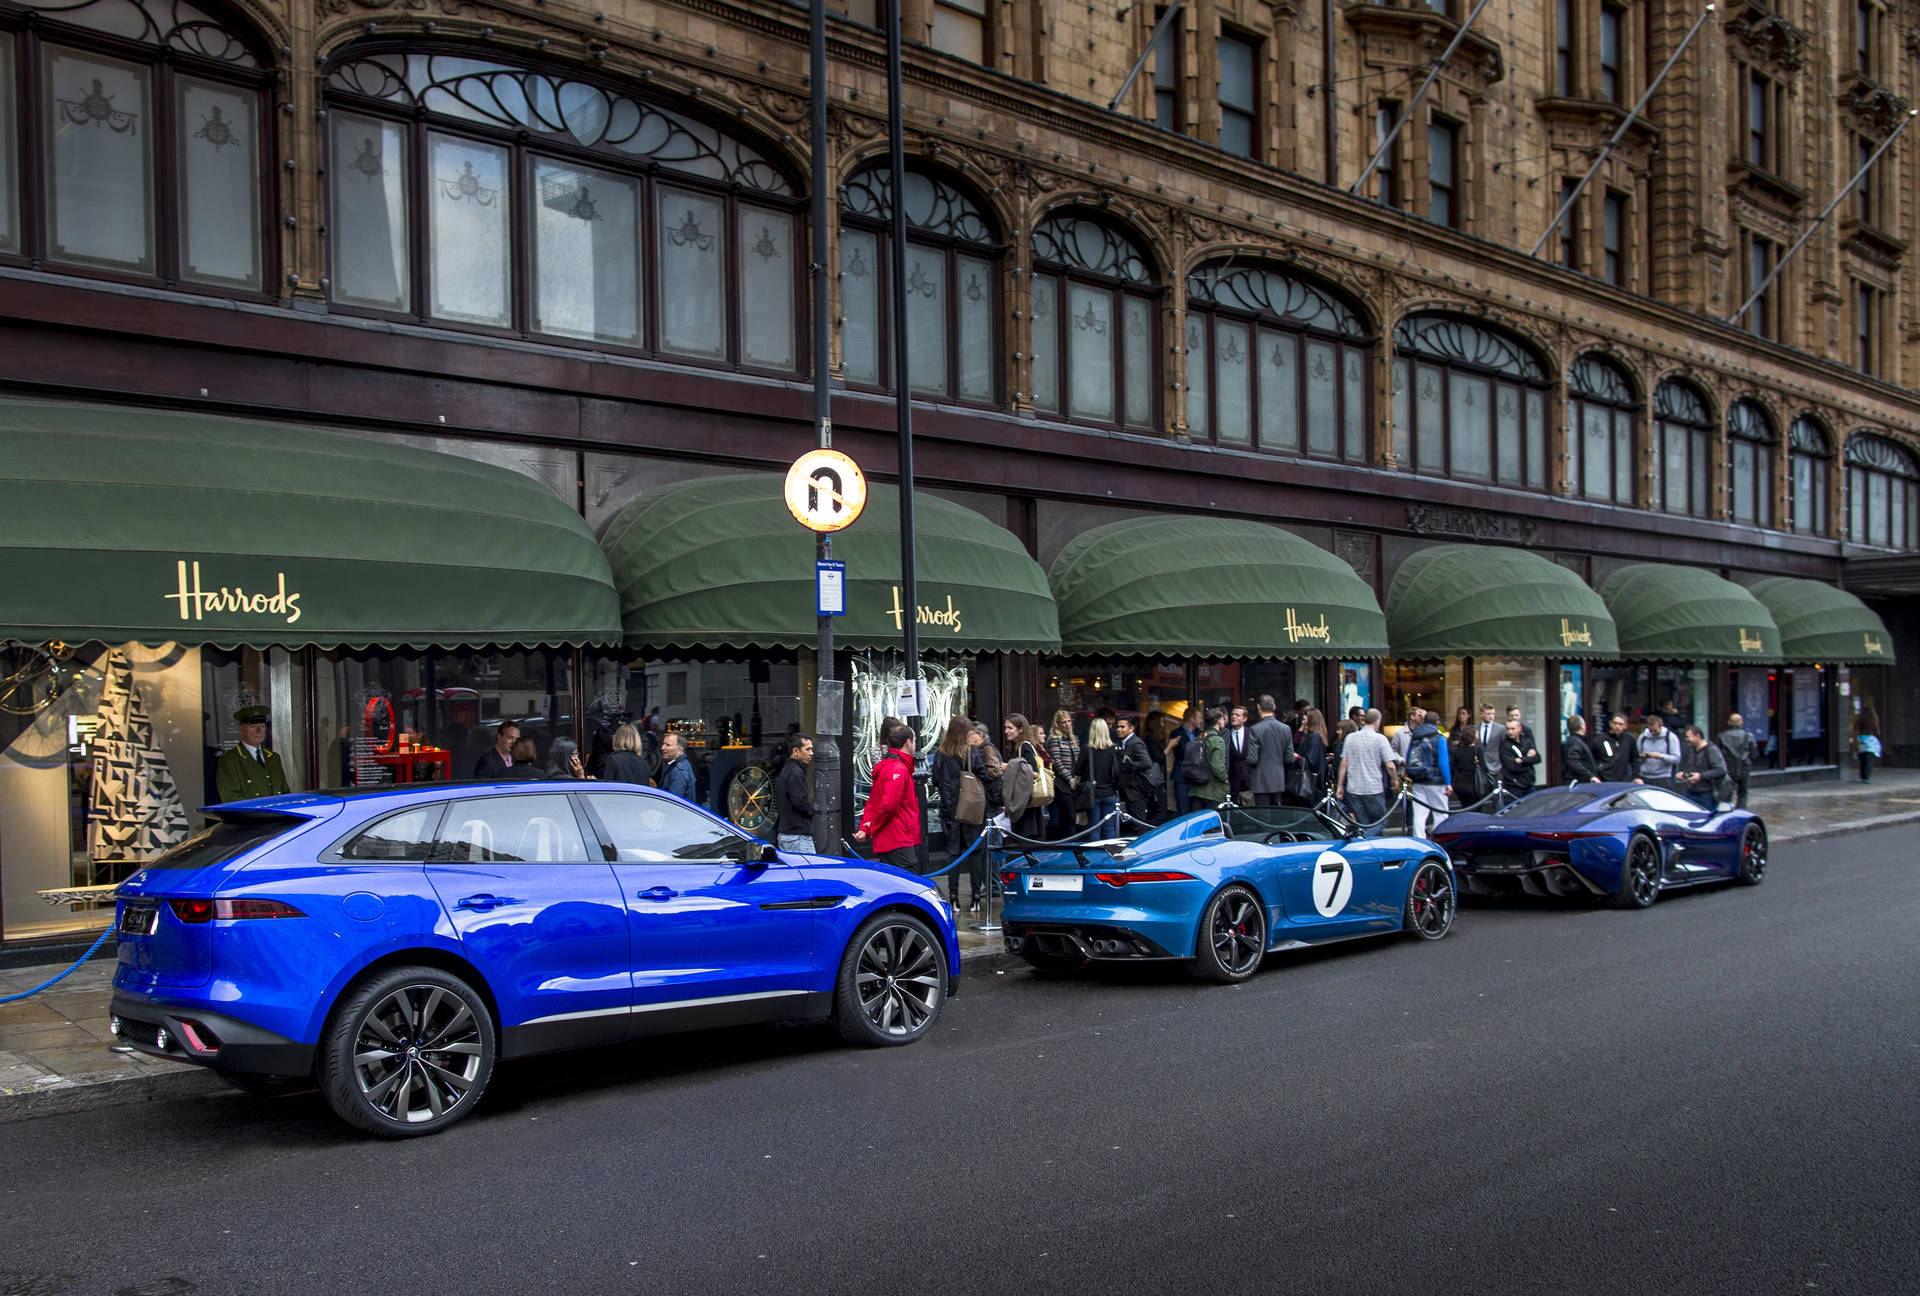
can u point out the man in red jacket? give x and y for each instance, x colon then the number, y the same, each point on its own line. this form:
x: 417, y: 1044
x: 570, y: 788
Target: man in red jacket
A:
x: 892, y: 816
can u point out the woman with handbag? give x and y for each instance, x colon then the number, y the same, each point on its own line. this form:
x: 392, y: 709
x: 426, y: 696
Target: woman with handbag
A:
x: 1308, y: 779
x: 1099, y: 764
x: 1023, y: 778
x: 963, y: 801
x: 986, y: 769
x: 1063, y: 749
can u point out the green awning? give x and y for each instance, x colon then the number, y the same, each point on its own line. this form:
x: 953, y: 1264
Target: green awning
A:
x: 1685, y: 614
x: 1822, y: 623
x: 125, y: 524
x: 1211, y: 587
x: 720, y: 563
x: 1458, y: 600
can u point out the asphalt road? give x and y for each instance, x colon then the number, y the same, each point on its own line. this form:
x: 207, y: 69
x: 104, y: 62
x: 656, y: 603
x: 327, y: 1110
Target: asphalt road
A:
x: 1716, y: 1095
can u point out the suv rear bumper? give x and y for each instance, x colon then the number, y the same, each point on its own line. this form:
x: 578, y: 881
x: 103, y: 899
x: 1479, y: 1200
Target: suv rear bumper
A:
x: 209, y: 1039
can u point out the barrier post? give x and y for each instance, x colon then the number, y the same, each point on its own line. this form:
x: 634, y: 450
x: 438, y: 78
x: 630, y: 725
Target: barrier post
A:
x: 988, y: 922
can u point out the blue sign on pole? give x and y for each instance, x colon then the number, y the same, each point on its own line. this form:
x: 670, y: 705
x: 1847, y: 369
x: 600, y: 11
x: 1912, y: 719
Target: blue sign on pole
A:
x: 830, y: 587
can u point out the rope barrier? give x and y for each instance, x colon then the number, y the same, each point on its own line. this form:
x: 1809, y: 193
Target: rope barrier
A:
x: 54, y: 981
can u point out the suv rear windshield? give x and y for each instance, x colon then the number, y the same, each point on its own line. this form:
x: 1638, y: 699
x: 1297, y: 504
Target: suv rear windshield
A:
x: 224, y: 839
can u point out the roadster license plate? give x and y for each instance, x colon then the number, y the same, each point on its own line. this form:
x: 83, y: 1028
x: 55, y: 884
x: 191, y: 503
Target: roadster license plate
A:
x: 1054, y: 882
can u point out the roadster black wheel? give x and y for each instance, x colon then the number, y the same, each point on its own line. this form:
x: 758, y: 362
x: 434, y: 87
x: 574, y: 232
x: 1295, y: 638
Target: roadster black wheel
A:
x: 1430, y: 901
x: 1233, y: 936
x: 1753, y: 856
x: 1640, y: 876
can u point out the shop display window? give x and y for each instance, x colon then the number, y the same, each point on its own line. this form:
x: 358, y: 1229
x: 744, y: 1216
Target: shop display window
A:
x: 1517, y: 681
x: 107, y: 754
x: 1437, y: 685
x: 409, y: 715
x: 732, y: 715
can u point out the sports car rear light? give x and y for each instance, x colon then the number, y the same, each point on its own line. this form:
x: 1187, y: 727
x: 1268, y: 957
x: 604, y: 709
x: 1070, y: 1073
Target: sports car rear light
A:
x: 1008, y: 877
x: 1566, y: 836
x: 1121, y: 879
x: 254, y: 909
x: 200, y: 911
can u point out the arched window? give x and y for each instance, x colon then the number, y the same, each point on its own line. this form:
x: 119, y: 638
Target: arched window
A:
x: 132, y: 142
x: 1883, y: 493
x: 1808, y: 454
x: 953, y: 288
x: 1601, y: 413
x: 1750, y: 438
x: 1474, y: 399
x: 1276, y: 362
x: 1682, y: 449
x: 473, y: 193
x: 1094, y: 326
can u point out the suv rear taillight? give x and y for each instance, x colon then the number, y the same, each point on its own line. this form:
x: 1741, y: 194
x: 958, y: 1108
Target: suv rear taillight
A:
x: 200, y: 911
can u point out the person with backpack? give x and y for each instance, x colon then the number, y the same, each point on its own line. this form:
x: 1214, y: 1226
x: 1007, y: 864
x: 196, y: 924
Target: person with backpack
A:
x: 1137, y: 777
x: 1204, y: 763
x: 1186, y: 735
x: 1658, y: 750
x: 1429, y: 771
x: 1738, y: 746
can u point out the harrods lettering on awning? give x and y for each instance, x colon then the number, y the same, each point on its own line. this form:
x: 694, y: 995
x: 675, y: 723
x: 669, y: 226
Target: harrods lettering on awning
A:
x: 126, y: 524
x: 1218, y: 587
x: 719, y: 562
x: 1824, y: 624
x: 1455, y: 600
x: 1684, y: 614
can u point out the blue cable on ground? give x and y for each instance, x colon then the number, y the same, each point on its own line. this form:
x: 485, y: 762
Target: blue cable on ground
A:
x: 25, y: 994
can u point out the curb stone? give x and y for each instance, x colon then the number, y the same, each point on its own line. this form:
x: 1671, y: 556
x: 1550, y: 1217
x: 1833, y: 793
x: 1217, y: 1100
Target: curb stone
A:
x: 110, y: 1089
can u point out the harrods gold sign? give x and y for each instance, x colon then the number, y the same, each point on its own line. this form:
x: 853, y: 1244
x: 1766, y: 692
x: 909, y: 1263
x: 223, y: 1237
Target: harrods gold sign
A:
x: 825, y: 490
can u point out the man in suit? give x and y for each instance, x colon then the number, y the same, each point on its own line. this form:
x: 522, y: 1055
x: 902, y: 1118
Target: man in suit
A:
x: 496, y: 760
x: 1133, y: 777
x: 1243, y: 750
x: 249, y: 769
x: 1488, y: 737
x: 1273, y: 748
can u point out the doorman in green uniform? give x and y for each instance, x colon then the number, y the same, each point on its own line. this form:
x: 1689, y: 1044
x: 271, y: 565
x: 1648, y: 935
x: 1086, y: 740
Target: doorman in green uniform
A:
x: 249, y: 769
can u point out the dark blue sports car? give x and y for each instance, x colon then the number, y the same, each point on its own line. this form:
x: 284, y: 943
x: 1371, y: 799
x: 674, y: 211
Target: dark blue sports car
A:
x: 1626, y: 842
x: 393, y: 944
x: 1221, y: 895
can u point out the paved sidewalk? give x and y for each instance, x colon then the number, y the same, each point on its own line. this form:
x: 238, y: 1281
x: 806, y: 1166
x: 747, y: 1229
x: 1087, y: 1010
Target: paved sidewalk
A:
x: 56, y: 1054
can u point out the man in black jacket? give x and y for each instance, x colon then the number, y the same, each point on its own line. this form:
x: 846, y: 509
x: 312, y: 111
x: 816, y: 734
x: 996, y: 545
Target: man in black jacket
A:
x: 1613, y: 757
x: 1133, y: 772
x: 1576, y: 758
x: 498, y: 759
x: 792, y: 799
x: 1703, y: 772
x: 1739, y: 748
x: 1517, y: 759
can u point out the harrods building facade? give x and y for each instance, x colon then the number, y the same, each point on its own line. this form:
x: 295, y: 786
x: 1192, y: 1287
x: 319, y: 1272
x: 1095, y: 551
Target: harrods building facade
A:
x: 564, y: 246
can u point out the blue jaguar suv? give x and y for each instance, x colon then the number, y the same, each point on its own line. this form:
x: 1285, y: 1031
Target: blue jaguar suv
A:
x: 393, y: 944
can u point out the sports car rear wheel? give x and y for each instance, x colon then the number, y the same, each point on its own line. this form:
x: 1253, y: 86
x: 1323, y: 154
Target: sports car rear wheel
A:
x: 1430, y: 901
x: 1233, y: 936
x: 1753, y: 856
x: 1640, y: 876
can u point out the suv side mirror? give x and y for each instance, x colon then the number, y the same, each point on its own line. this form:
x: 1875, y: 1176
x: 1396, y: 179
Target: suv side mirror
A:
x: 768, y: 855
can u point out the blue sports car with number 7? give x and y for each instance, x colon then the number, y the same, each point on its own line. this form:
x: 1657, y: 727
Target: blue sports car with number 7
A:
x: 1221, y: 892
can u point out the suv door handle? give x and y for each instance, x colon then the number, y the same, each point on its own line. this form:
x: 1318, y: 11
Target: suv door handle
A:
x: 656, y: 893
x: 481, y: 903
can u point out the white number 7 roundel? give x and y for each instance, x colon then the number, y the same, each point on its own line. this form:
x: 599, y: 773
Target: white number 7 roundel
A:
x: 1332, y: 883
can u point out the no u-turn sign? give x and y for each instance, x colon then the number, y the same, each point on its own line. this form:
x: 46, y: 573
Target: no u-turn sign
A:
x: 825, y: 490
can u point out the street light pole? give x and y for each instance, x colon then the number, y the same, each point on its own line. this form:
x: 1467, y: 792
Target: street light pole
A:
x: 826, y: 746
x: 902, y: 386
